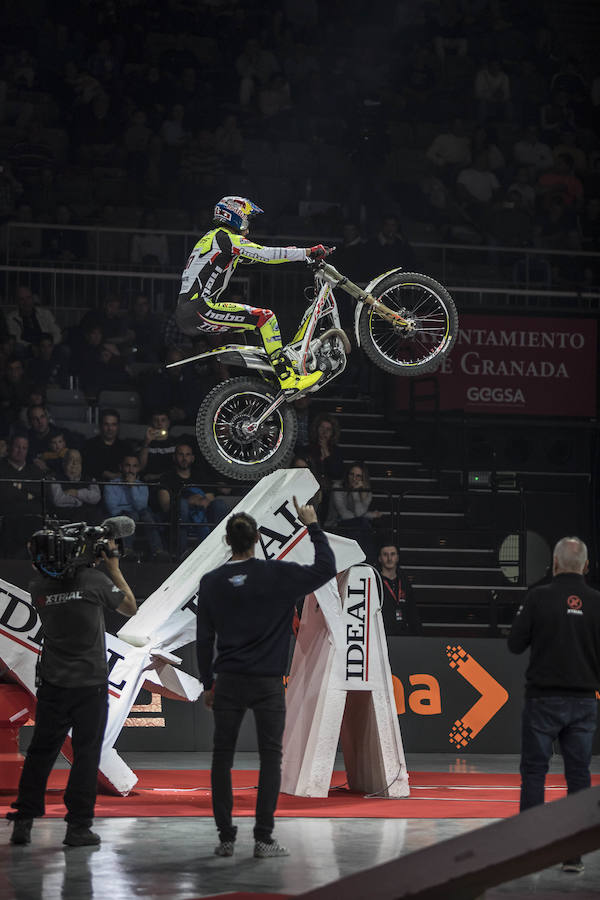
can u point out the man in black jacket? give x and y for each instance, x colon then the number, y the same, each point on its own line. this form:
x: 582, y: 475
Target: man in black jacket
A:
x: 72, y: 692
x: 560, y: 621
x: 399, y: 610
x: 249, y: 604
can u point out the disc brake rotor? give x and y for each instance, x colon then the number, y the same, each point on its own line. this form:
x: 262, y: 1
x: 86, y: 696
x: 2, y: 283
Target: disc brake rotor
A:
x: 237, y: 435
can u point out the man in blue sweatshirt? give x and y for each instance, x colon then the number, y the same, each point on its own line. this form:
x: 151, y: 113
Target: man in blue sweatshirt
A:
x: 249, y: 605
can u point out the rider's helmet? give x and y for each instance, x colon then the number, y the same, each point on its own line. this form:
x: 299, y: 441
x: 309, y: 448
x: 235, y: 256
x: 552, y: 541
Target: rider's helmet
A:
x: 235, y: 212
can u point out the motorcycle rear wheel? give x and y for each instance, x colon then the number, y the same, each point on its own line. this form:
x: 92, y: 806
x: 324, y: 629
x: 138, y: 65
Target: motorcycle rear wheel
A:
x: 221, y: 420
x: 422, y: 301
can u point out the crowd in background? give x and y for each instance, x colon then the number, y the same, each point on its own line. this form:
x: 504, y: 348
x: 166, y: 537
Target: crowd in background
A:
x: 465, y: 121
x: 469, y: 121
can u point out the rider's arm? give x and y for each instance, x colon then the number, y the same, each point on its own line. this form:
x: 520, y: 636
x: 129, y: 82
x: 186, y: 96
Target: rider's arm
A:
x: 251, y: 252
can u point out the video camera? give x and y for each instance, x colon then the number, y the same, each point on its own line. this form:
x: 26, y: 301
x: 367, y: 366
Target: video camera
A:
x: 58, y: 550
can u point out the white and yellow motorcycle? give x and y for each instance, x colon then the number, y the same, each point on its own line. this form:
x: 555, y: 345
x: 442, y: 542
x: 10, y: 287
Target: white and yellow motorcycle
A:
x: 405, y: 323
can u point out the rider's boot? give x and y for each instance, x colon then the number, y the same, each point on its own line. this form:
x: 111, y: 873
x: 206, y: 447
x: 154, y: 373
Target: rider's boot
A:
x: 289, y: 380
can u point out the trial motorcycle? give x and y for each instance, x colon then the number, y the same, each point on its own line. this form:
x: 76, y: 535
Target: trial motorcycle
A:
x: 406, y: 323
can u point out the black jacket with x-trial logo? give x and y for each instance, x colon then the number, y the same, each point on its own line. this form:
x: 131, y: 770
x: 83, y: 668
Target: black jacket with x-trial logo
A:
x: 560, y: 621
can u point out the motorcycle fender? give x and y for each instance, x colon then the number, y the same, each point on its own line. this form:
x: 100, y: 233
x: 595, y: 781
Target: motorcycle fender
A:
x: 233, y: 355
x: 370, y: 288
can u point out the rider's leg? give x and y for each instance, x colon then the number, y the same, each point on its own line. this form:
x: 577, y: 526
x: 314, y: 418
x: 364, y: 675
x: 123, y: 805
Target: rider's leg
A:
x: 289, y: 379
x: 197, y: 315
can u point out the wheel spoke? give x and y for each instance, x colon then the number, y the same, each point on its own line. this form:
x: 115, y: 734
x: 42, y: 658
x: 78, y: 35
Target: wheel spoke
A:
x: 420, y: 306
x: 233, y: 442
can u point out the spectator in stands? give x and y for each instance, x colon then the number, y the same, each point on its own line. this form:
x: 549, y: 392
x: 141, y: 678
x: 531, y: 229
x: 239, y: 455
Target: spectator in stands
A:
x: 326, y: 457
x: 105, y: 367
x: 173, y: 130
x: 150, y: 248
x: 75, y: 495
x: 199, y: 509
x: 485, y: 139
x: 146, y: 330
x: 41, y: 430
x: 201, y: 166
x: 531, y: 152
x: 136, y: 140
x: 127, y: 496
x: 389, y: 248
x: 529, y: 90
x: 179, y: 390
x: 156, y: 453
x: 113, y: 322
x: 570, y: 80
x: 30, y: 155
x: 46, y: 365
x: 352, y: 257
x: 229, y: 143
x: 399, y: 610
x: 300, y: 63
x: 450, y: 34
x: 103, y: 64
x: 350, y: 508
x: 255, y: 66
x: 450, y: 151
x: 274, y: 100
x: 10, y: 191
x: 477, y: 186
x: 557, y: 116
x: 15, y: 387
x: 102, y: 454
x: 555, y: 222
x: 63, y: 244
x: 509, y: 222
x: 57, y: 450
x: 492, y: 92
x: 97, y: 131
x: 523, y: 186
x: 25, y: 241
x: 568, y: 144
x: 20, y: 504
x: 561, y: 182
x: 27, y: 321
x: 174, y: 337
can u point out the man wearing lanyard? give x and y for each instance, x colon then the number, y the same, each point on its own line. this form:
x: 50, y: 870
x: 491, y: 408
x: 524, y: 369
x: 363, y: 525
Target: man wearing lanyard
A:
x: 399, y: 611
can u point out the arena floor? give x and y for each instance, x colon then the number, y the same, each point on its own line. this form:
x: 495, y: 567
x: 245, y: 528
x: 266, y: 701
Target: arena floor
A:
x: 172, y: 858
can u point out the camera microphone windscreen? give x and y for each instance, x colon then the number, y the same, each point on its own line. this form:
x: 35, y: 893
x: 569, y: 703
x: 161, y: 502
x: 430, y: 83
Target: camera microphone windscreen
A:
x: 119, y: 526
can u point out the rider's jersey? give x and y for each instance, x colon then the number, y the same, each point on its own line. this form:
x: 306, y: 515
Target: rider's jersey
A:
x: 215, y: 257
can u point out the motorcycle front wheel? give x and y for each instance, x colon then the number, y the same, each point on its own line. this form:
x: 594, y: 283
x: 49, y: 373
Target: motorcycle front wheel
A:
x: 431, y: 312
x: 225, y: 433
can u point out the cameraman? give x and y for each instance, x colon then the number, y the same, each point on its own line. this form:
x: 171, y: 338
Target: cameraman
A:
x: 72, y: 691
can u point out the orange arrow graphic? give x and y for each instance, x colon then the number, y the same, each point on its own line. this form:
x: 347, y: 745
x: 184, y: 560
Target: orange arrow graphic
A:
x: 493, y: 696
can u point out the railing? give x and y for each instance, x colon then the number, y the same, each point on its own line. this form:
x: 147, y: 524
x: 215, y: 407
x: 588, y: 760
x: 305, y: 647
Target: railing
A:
x: 478, y: 598
x: 480, y: 276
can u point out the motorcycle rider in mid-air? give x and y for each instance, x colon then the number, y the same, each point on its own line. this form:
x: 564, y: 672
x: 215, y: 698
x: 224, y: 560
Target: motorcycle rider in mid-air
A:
x: 208, y: 272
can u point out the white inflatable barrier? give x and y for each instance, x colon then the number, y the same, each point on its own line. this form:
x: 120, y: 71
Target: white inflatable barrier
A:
x: 142, y: 654
x: 340, y: 687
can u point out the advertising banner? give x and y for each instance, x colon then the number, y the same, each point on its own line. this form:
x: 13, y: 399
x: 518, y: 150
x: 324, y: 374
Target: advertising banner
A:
x: 518, y: 365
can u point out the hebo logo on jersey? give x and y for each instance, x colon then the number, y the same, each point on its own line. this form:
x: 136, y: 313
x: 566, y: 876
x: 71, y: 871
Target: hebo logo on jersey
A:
x: 426, y: 698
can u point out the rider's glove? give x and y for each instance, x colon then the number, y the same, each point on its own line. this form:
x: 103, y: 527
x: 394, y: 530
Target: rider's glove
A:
x: 319, y: 252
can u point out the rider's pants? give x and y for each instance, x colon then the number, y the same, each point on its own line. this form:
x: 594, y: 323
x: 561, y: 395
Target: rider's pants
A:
x: 199, y: 316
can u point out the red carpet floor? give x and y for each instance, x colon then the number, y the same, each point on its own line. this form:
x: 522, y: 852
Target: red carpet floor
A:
x: 163, y: 792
